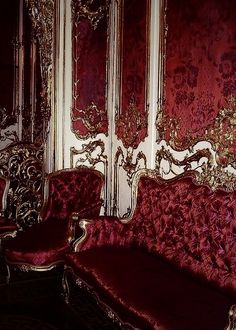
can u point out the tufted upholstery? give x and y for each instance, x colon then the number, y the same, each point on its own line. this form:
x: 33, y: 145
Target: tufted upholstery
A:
x: 67, y: 191
x: 187, y: 223
x: 176, y: 222
x: 72, y: 190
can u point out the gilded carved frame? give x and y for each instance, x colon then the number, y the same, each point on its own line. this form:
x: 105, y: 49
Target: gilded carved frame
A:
x: 42, y: 15
x: 93, y: 117
x: 131, y: 123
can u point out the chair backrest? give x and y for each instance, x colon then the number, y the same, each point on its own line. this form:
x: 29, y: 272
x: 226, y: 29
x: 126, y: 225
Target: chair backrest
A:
x: 22, y: 164
x: 71, y: 190
x: 4, y: 187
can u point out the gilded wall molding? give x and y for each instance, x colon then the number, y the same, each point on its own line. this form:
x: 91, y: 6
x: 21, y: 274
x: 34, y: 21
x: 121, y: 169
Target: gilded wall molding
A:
x: 131, y: 125
x: 202, y: 161
x: 42, y: 15
x: 87, y: 9
x: 130, y: 165
x: 131, y: 118
x: 92, y: 153
x: 90, y: 21
x: 186, y: 163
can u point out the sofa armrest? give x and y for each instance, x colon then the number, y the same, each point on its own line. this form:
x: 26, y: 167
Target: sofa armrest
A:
x: 102, y: 231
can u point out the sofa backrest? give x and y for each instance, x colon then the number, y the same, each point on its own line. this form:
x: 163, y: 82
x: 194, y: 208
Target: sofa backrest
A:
x: 72, y: 190
x: 189, y: 224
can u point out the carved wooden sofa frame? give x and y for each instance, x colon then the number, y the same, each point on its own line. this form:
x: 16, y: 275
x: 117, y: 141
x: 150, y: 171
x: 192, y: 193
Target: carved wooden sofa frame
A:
x: 170, y: 265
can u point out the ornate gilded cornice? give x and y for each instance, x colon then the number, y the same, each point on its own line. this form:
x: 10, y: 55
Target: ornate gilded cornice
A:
x: 89, y: 10
x: 42, y: 15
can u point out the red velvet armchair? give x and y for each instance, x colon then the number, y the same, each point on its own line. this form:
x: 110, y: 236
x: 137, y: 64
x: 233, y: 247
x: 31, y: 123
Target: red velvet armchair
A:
x: 7, y: 227
x: 69, y: 194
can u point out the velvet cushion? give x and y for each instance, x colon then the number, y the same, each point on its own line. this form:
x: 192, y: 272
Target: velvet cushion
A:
x: 149, y: 293
x: 42, y: 244
x: 189, y: 224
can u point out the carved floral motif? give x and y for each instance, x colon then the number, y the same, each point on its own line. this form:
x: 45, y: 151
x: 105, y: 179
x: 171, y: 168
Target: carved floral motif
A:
x: 131, y: 125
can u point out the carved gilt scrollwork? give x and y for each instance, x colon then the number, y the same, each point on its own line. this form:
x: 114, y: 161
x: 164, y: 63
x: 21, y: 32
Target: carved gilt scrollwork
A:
x: 186, y: 163
x: 209, y: 173
x: 130, y: 167
x: 92, y: 153
x: 23, y: 165
x: 42, y: 14
x: 89, y: 10
x: 131, y: 125
x: 223, y: 134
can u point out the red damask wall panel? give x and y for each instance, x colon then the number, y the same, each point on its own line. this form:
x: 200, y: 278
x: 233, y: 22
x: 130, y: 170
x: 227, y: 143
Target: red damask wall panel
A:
x: 200, y: 72
x: 131, y: 124
x: 89, y: 115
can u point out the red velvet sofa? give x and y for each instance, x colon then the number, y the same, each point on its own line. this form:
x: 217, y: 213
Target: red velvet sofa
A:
x: 171, y: 265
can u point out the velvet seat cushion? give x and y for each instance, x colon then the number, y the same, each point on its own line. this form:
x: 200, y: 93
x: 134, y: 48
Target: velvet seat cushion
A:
x: 42, y: 244
x: 147, y: 292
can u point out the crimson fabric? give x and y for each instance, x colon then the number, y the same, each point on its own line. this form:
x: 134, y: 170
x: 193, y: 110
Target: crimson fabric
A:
x: 42, y: 244
x: 149, y: 293
x: 200, y: 68
x: 73, y: 191
x: 188, y: 224
x: 89, y: 113
x: 130, y: 127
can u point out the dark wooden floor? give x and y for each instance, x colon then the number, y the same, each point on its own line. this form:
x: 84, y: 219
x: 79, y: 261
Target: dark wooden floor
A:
x: 34, y: 301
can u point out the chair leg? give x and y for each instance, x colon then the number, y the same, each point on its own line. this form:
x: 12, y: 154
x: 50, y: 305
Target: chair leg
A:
x: 65, y: 286
x: 232, y: 318
x: 8, y: 276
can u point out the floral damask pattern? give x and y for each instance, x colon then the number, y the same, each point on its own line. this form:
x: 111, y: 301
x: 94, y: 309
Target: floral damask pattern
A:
x: 89, y: 37
x: 200, y: 68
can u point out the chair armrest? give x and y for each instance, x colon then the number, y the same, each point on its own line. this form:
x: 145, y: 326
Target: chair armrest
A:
x: 102, y: 231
